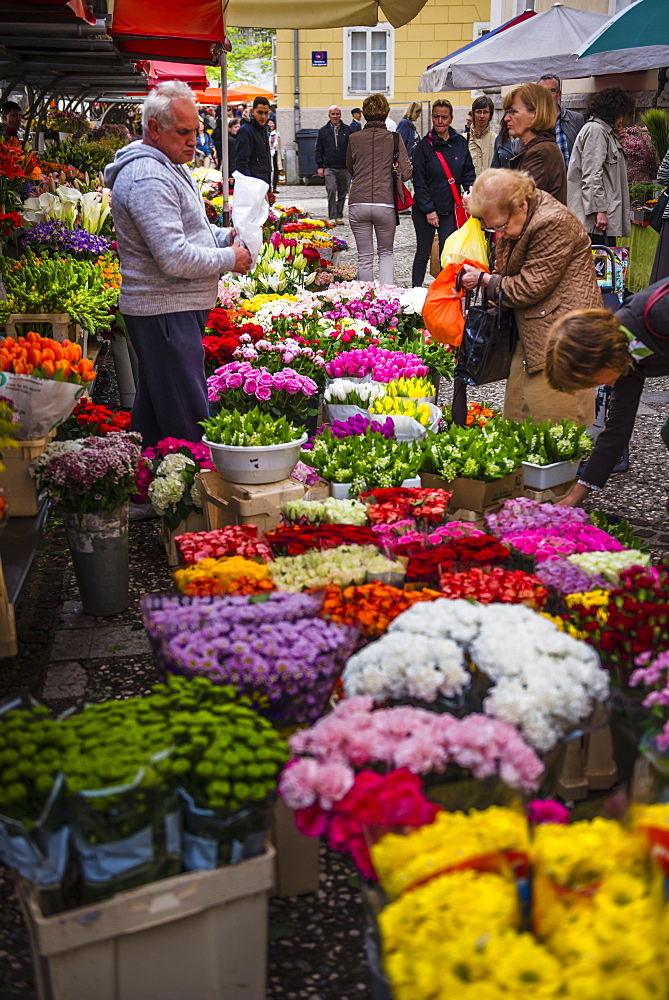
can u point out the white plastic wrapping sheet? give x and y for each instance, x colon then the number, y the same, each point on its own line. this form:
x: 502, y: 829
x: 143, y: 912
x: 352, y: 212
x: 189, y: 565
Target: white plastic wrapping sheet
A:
x: 249, y: 211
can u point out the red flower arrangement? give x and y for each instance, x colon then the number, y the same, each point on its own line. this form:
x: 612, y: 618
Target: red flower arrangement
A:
x: 637, y: 616
x: 235, y: 540
x: 494, y: 586
x: 428, y: 566
x: 386, y: 506
x: 376, y: 801
x: 293, y: 539
x: 90, y: 420
x: 225, y: 337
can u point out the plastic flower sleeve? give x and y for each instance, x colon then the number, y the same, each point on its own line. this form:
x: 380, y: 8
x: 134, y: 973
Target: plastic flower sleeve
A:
x: 249, y: 211
x: 41, y: 403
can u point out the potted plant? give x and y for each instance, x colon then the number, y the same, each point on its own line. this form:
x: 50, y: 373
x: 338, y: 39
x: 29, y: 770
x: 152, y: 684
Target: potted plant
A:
x: 90, y: 481
x: 252, y: 447
x: 553, y: 452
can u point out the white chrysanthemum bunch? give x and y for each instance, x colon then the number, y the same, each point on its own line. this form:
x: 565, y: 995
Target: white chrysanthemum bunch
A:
x: 403, y: 665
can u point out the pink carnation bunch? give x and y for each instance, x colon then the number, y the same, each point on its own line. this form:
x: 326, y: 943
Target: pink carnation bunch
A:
x: 569, y: 540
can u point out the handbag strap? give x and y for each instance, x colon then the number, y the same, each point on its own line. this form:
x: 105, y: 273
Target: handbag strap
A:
x: 396, y: 150
x: 457, y: 198
x: 652, y: 300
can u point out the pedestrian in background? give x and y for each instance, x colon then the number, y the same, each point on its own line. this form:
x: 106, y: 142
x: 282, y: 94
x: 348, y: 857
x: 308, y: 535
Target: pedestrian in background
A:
x: 568, y: 123
x: 407, y: 129
x: 433, y: 208
x: 530, y: 113
x: 204, y: 147
x: 481, y: 143
x: 354, y: 124
x: 331, y: 144
x: 598, y: 193
x: 252, y: 143
x: 276, y: 153
x: 504, y: 147
x: 371, y: 204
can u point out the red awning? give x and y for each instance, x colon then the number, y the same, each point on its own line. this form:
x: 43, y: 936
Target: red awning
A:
x: 193, y: 75
x: 197, y: 19
x: 173, y: 50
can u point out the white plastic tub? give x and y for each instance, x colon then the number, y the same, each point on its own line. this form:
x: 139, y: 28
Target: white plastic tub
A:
x: 544, y: 477
x: 254, y: 466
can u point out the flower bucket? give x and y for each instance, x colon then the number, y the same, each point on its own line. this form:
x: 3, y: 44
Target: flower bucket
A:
x: 98, y: 543
x: 263, y: 464
x: 544, y: 477
x: 340, y: 491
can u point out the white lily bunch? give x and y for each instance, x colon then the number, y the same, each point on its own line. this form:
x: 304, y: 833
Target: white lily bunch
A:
x: 69, y: 205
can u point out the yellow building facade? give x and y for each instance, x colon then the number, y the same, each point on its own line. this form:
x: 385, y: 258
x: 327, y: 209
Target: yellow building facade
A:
x: 358, y: 61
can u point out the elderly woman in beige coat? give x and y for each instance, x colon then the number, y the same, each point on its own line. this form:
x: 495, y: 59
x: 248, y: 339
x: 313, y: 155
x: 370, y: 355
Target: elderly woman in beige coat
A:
x: 544, y: 268
x: 597, y: 191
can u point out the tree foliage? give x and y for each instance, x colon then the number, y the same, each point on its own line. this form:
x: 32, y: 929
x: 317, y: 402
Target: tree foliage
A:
x: 251, y: 52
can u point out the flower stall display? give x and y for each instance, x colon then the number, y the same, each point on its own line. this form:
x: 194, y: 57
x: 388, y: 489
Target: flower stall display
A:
x: 425, y: 508
x: 56, y: 239
x: 365, y: 460
x: 494, y: 585
x: 87, y: 211
x: 483, y: 453
x: 240, y: 386
x: 278, y: 269
x: 235, y: 540
x: 17, y: 168
x: 72, y: 122
x: 252, y: 447
x: 287, y: 353
x: 412, y: 388
x: 251, y: 429
x: 343, y: 392
x: 544, y: 682
x: 109, y: 785
x: 280, y: 653
x: 547, y: 442
x: 329, y: 511
x: 166, y: 479
x: 342, y: 565
x: 89, y: 418
x: 229, y: 575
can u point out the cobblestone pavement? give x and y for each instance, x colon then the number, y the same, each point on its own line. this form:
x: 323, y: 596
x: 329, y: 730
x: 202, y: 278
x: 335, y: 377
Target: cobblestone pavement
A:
x: 316, y: 942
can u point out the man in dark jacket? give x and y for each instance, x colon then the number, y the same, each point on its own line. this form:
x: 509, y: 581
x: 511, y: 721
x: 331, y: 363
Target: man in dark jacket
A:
x: 331, y: 146
x: 622, y: 349
x: 569, y: 123
x: 433, y: 208
x: 252, y: 144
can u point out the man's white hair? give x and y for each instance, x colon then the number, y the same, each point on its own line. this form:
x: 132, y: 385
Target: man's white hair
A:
x: 334, y: 107
x: 158, y: 104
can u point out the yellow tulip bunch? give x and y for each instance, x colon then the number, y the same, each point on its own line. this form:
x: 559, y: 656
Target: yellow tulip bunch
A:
x: 410, y: 388
x: 454, y: 837
x: 401, y: 407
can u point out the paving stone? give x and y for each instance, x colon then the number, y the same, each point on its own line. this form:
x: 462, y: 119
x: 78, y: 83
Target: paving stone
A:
x: 118, y: 640
x: 65, y: 680
x: 73, y: 617
x: 71, y: 644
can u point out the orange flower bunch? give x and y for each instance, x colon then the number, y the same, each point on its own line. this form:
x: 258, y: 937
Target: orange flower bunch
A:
x: 110, y: 268
x: 372, y: 606
x: 44, y: 357
x: 223, y: 576
x: 480, y: 414
x: 16, y: 164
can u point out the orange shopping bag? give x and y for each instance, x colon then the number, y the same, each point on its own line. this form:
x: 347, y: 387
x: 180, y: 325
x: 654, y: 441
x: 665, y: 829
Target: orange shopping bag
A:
x: 442, y: 312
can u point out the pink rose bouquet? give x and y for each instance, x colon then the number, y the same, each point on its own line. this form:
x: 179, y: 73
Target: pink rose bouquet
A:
x: 240, y: 386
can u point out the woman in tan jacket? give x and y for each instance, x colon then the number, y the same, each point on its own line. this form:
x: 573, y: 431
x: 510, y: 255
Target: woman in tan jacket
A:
x: 545, y: 268
x: 371, y: 201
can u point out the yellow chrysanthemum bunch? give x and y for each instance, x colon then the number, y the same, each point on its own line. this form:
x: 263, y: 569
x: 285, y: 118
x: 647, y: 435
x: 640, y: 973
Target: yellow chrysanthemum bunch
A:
x: 220, y: 576
x: 401, y: 407
x: 411, y: 388
x: 257, y: 301
x: 454, y: 837
x: 581, y: 854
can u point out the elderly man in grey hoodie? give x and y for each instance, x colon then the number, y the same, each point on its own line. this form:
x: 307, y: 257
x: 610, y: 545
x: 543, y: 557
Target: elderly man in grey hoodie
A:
x: 171, y: 260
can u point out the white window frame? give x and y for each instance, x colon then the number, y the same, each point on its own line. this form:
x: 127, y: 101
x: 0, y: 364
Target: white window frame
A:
x: 350, y: 94
x: 480, y: 28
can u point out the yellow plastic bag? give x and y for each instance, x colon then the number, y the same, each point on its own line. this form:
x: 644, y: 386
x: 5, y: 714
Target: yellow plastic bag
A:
x: 466, y: 243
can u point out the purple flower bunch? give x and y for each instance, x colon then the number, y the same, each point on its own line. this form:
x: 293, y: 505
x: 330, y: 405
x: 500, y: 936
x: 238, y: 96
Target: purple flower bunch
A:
x: 383, y: 365
x: 523, y: 514
x: 378, y: 312
x: 55, y: 237
x: 567, y: 578
x: 565, y: 541
x: 89, y: 474
x: 259, y: 384
x: 290, y: 664
x: 352, y: 427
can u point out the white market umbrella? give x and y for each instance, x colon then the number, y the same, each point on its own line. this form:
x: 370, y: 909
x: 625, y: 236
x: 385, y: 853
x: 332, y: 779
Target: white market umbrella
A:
x: 541, y: 44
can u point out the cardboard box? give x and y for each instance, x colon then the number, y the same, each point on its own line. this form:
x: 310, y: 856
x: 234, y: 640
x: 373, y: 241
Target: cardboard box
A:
x: 227, y: 503
x: 199, y: 936
x: 475, y: 495
x: 18, y: 483
x: 429, y: 481
x: 553, y: 495
x: 297, y: 856
x: 194, y: 522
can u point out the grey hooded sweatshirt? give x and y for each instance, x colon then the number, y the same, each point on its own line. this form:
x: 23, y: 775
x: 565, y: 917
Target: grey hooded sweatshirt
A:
x: 171, y: 255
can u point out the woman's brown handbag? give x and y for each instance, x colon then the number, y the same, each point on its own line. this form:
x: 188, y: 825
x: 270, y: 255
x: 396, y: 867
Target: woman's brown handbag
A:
x: 435, y: 258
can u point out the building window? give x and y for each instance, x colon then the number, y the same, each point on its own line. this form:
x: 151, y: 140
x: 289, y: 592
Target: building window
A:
x: 480, y: 28
x: 368, y: 61
x: 615, y: 6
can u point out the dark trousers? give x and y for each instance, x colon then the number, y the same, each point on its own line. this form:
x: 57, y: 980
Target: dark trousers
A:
x: 275, y: 171
x: 337, y: 180
x: 171, y: 394
x: 424, y: 239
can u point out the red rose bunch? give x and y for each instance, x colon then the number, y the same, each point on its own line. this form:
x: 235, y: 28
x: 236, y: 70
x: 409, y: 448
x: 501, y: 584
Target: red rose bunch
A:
x: 637, y: 616
x: 494, y: 586
x: 386, y: 506
x: 293, y: 539
x: 223, y: 337
x: 375, y: 803
x: 429, y: 565
x: 235, y: 540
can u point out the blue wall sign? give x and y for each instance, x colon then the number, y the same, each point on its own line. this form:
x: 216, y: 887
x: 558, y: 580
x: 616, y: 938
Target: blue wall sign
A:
x: 319, y: 58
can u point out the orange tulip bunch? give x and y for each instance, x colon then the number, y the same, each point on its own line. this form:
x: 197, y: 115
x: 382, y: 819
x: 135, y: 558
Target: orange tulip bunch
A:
x: 372, y: 606
x: 46, y: 358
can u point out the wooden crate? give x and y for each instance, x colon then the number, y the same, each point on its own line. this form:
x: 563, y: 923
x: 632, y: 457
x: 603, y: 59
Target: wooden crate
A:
x: 553, y: 495
x: 194, y: 522
x: 61, y: 324
x: 227, y: 503
x: 19, y: 485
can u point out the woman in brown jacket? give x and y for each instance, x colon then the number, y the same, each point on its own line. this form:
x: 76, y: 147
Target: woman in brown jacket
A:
x: 371, y: 202
x: 544, y: 268
x: 530, y: 114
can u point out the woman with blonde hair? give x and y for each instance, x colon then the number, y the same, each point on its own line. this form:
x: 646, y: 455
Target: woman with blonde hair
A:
x: 407, y: 129
x: 371, y: 159
x: 530, y: 114
x: 544, y: 268
x: 590, y: 347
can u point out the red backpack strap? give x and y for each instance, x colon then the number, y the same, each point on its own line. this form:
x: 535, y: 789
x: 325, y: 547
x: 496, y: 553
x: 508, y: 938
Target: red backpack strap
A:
x: 652, y: 300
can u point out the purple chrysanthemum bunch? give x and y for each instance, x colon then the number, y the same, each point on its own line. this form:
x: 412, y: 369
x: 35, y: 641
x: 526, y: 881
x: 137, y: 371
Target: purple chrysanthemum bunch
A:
x: 55, y: 237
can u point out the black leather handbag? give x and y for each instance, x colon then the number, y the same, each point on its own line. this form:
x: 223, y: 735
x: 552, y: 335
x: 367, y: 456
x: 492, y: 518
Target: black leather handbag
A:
x: 655, y: 217
x: 488, y: 341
